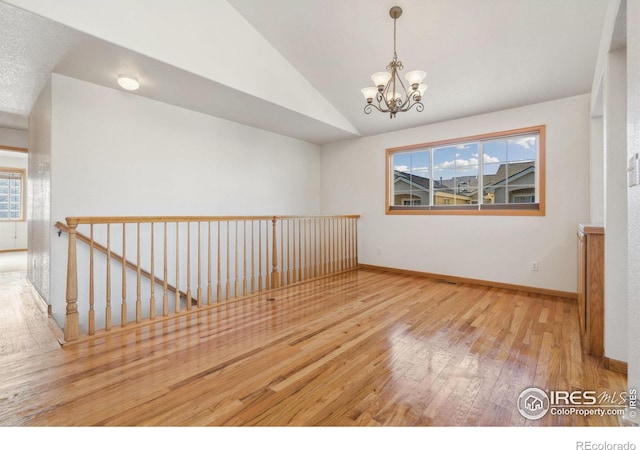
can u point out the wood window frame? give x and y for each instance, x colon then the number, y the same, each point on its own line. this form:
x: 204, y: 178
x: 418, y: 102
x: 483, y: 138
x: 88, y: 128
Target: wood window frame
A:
x: 534, y: 209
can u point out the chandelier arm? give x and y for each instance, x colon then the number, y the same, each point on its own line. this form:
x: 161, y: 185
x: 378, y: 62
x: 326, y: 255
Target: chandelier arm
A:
x: 382, y: 98
x: 368, y: 106
x: 419, y: 107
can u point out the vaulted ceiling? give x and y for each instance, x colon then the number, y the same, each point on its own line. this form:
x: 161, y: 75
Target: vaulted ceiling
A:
x: 296, y: 67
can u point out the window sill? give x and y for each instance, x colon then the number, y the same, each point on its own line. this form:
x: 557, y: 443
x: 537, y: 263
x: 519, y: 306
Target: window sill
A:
x: 533, y: 209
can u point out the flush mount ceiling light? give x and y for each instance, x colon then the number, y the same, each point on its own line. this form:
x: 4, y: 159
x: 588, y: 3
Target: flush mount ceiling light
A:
x: 128, y: 82
x: 390, y: 94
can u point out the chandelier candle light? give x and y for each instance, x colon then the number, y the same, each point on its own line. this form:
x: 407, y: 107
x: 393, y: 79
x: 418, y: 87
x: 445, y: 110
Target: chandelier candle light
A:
x: 390, y: 94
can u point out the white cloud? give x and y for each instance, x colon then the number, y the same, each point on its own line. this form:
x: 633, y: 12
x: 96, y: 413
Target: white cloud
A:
x: 463, y: 165
x: 527, y: 142
x: 415, y: 170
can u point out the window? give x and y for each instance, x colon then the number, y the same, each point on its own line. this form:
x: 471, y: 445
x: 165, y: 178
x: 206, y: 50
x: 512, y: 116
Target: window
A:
x: 11, y: 194
x: 498, y: 173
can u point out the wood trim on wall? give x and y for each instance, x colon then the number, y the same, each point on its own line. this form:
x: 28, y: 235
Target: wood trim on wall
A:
x: 14, y: 149
x: 454, y: 279
x: 615, y: 365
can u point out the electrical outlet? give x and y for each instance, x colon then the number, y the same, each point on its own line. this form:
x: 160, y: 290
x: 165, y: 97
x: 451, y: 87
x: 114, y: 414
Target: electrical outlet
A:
x: 379, y: 250
x: 534, y: 266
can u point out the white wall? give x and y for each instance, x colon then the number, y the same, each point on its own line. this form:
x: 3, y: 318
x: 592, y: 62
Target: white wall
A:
x: 39, y: 193
x: 13, y: 138
x: 633, y: 195
x: 13, y: 235
x: 615, y: 211
x: 114, y: 153
x: 596, y: 172
x: 491, y: 248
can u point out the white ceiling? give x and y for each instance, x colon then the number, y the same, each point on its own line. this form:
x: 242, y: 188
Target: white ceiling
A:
x: 479, y: 55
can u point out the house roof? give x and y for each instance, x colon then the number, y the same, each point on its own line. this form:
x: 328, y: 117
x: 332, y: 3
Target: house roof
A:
x: 502, y: 173
x: 418, y: 180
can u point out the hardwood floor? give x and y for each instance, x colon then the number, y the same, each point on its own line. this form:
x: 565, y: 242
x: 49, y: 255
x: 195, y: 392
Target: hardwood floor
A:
x: 364, y: 348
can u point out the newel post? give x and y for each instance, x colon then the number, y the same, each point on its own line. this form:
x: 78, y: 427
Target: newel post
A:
x: 275, y: 277
x: 71, y: 325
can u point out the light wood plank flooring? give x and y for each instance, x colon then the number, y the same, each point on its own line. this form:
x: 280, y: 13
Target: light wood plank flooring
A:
x: 364, y: 348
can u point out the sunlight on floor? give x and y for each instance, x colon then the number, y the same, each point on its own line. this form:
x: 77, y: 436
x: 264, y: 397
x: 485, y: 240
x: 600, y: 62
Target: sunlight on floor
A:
x: 13, y: 262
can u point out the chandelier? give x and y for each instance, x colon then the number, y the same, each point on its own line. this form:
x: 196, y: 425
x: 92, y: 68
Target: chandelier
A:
x: 389, y: 93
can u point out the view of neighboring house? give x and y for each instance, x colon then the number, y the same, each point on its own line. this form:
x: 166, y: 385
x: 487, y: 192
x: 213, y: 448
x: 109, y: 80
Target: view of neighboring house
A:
x: 512, y: 183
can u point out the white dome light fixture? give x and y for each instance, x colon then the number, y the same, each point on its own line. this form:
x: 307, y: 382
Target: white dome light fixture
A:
x: 389, y: 95
x: 128, y: 82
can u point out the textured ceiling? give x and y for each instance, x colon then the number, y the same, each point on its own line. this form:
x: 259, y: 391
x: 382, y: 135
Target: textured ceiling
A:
x: 30, y: 47
x: 480, y: 56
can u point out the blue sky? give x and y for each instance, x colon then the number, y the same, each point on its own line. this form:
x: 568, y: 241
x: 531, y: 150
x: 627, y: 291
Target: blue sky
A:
x: 463, y: 160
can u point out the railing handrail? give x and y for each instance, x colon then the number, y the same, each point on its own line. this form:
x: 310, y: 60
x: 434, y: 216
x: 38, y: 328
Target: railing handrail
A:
x: 280, y: 251
x: 119, y: 259
x: 103, y: 220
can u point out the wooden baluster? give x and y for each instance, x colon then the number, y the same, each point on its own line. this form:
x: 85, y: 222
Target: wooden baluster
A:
x: 282, y: 268
x: 228, y: 293
x: 177, y: 301
x: 319, y: 244
x: 343, y: 244
x: 253, y: 267
x: 324, y: 247
x: 72, y: 320
x: 92, y: 313
x: 340, y: 244
x: 354, y: 224
x: 107, y: 312
x: 353, y: 241
x: 309, y: 244
x: 138, y: 299
x: 199, y: 289
x: 315, y: 247
x: 152, y: 296
x: 345, y: 225
x: 294, y: 274
x: 235, y: 273
x: 219, y: 285
x: 336, y: 244
x: 345, y: 252
x: 266, y: 250
x: 165, y: 296
x: 259, y: 256
x: 188, y: 266
x: 123, y: 306
x: 289, y: 279
x: 244, y: 257
x: 275, y: 277
x: 347, y: 255
x: 329, y: 246
x: 300, y: 269
x: 306, y: 251
x: 209, y: 287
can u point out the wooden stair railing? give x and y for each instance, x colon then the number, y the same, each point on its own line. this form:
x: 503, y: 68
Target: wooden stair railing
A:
x: 117, y: 258
x: 245, y: 256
